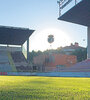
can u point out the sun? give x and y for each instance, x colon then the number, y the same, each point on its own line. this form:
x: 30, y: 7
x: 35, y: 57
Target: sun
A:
x: 40, y: 40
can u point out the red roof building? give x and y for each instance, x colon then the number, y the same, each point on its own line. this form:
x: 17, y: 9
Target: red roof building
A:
x: 69, y: 49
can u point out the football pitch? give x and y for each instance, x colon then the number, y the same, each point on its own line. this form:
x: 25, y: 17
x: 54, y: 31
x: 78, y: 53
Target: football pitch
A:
x: 44, y: 88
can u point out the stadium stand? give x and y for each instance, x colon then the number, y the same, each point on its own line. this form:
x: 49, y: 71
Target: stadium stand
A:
x: 83, y: 66
x: 12, y: 62
x: 20, y: 62
x: 12, y: 40
x: 4, y: 62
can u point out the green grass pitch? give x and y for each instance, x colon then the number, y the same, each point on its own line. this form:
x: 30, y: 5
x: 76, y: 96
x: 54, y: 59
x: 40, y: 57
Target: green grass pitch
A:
x: 44, y: 88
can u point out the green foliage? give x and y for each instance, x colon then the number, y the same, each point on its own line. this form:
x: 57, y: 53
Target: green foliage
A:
x: 44, y: 88
x: 36, y: 53
x: 81, y: 54
x: 33, y: 54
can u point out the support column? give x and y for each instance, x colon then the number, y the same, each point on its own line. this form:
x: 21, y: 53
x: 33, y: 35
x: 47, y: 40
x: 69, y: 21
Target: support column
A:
x: 22, y: 48
x: 88, y: 43
x: 28, y: 49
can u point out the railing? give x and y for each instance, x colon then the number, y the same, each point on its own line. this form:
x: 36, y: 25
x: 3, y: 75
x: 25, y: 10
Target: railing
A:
x: 65, y: 5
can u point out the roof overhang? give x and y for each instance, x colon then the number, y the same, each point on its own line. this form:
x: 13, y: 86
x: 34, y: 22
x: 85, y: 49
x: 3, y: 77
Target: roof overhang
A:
x: 79, y: 14
x: 14, y: 35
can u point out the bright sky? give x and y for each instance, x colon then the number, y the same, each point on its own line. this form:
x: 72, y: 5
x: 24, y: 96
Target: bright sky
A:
x: 41, y: 15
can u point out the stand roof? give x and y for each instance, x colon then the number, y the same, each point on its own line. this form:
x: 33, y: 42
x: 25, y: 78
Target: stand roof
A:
x: 14, y: 35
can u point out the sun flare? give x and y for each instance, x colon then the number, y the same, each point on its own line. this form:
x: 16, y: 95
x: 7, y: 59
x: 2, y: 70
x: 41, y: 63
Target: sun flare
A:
x: 40, y: 39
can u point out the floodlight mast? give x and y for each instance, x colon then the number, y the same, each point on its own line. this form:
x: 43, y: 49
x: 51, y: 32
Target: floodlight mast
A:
x: 50, y: 39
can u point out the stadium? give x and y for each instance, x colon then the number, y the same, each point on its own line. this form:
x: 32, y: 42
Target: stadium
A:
x: 13, y: 55
x: 19, y: 80
x: 14, y: 48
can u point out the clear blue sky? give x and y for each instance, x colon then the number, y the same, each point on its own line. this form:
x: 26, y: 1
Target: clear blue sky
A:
x: 40, y: 15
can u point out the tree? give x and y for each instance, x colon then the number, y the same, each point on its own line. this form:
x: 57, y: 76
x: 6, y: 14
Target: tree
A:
x: 81, y: 54
x: 33, y: 54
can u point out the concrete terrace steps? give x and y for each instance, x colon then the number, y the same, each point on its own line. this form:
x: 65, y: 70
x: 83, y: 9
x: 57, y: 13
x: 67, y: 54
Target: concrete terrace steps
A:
x: 83, y: 66
x: 4, y: 62
x: 20, y: 62
x: 11, y: 62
